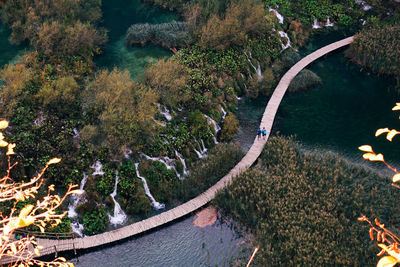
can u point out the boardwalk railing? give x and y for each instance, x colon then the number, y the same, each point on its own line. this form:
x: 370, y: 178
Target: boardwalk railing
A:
x: 55, y: 246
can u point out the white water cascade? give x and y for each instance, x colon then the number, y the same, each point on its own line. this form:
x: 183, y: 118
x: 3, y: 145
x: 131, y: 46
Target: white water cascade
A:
x: 258, y: 72
x: 329, y: 23
x: 180, y: 157
x: 199, y: 155
x: 156, y: 205
x: 363, y: 4
x: 316, y: 25
x: 76, y: 136
x: 249, y: 60
x: 119, y: 216
x: 244, y: 84
x: 165, y: 112
x: 98, y: 168
x: 214, y: 123
x: 169, y: 163
x: 279, y: 16
x: 284, y: 35
x: 75, y: 199
x: 223, y: 113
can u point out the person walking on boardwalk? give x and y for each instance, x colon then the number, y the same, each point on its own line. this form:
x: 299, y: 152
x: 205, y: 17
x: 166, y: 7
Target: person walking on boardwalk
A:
x: 259, y: 133
x: 264, y: 133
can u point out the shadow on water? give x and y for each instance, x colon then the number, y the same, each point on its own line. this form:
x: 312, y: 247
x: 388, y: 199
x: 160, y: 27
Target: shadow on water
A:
x: 118, y: 16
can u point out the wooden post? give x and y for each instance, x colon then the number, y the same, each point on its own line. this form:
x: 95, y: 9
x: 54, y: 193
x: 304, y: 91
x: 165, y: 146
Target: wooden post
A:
x: 56, y: 253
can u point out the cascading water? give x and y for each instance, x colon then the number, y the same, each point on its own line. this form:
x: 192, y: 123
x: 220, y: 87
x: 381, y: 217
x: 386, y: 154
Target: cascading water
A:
x: 76, y: 136
x: 249, y: 60
x: 98, y: 168
x: 169, y: 163
x: 284, y: 35
x: 204, y: 151
x: 156, y: 205
x: 258, y: 72
x: 119, y: 216
x: 279, y: 16
x: 199, y: 155
x: 214, y: 123
x: 316, y: 25
x: 363, y: 4
x: 165, y: 112
x: 75, y: 199
x: 223, y: 113
x: 329, y: 23
x: 180, y: 157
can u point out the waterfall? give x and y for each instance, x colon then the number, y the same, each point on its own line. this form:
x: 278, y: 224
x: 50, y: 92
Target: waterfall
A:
x: 215, y: 140
x: 76, y: 136
x: 204, y: 147
x: 119, y: 216
x: 127, y: 153
x: 75, y: 199
x: 284, y: 35
x: 223, y: 113
x: 165, y: 112
x: 156, y: 205
x: 180, y: 157
x: 249, y: 60
x: 199, y: 155
x: 363, y: 4
x: 166, y: 161
x: 258, y: 71
x: 279, y: 16
x: 98, y: 168
x: 328, y: 23
x: 244, y: 84
x: 214, y: 123
x: 316, y: 25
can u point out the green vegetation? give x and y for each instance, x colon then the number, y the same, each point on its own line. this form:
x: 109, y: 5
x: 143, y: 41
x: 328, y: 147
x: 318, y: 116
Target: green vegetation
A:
x: 378, y: 48
x: 303, y: 80
x: 173, y: 34
x: 303, y: 206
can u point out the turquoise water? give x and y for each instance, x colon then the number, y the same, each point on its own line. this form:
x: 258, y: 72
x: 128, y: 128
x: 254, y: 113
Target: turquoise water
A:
x: 178, y: 244
x: 343, y: 112
x: 8, y: 52
x: 118, y: 15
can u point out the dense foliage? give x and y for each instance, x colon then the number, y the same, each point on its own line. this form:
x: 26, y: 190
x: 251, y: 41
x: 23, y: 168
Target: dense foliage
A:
x: 172, y: 34
x: 303, y: 206
x: 378, y: 48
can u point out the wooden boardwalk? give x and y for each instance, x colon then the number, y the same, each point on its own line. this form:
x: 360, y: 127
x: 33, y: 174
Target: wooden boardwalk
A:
x: 51, y: 246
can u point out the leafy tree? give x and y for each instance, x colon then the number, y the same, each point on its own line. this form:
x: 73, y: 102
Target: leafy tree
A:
x: 230, y: 127
x: 169, y: 78
x: 122, y: 111
x: 241, y: 19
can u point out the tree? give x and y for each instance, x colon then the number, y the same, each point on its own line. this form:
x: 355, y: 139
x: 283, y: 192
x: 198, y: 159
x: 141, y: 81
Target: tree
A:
x: 43, y: 213
x: 121, y: 110
x: 389, y: 242
x: 168, y: 78
x: 242, y: 18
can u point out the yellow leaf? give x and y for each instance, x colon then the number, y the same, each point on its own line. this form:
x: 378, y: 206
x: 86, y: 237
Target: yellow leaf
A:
x: 397, y: 107
x: 77, y: 191
x: 25, y: 211
x: 366, y: 148
x: 53, y: 161
x: 41, y: 228
x: 3, y: 143
x: 387, y: 261
x: 396, y: 178
x: 381, y: 131
x: 390, y: 251
x: 373, y: 157
x: 13, y: 248
x: 3, y: 124
x: 10, y: 150
x: 24, y: 222
x: 391, y: 134
x: 36, y: 250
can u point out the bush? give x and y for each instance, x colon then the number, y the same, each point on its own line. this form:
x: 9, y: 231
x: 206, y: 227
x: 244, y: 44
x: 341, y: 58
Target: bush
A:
x: 303, y: 80
x: 95, y: 221
x: 303, y: 207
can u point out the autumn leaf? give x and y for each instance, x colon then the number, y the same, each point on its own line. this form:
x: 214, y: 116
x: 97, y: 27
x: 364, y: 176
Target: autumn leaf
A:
x: 3, y: 124
x: 10, y: 150
x: 391, y: 134
x: 373, y: 157
x: 25, y: 211
x: 381, y: 131
x: 3, y: 143
x: 396, y: 178
x: 387, y: 261
x: 53, y: 161
x: 366, y: 148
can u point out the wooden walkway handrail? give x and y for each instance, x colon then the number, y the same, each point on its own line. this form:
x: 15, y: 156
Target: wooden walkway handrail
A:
x: 53, y: 246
